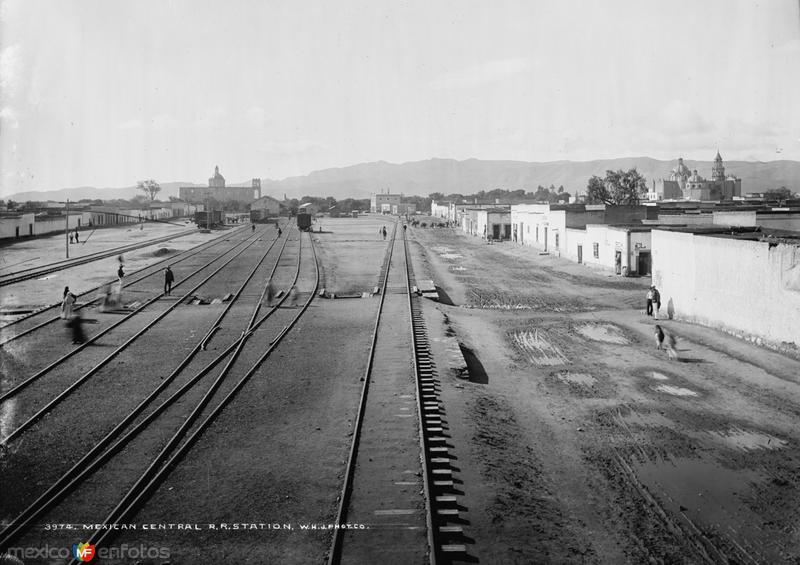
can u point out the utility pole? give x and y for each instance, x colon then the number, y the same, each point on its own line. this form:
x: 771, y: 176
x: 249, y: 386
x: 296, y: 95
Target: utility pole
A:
x: 66, y: 230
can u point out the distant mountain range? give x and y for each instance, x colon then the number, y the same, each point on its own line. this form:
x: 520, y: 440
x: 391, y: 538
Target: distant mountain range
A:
x: 449, y: 176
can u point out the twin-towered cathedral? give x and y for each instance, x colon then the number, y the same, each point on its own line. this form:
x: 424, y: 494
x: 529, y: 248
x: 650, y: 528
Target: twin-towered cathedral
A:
x: 688, y: 185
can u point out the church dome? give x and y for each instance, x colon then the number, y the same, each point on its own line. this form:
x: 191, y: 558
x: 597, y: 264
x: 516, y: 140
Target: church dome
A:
x: 217, y: 180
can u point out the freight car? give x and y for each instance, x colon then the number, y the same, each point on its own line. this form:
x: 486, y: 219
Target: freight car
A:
x: 202, y: 219
x: 303, y: 221
x: 261, y: 217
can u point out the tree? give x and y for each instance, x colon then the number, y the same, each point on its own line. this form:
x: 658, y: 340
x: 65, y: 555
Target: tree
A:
x: 781, y: 193
x: 596, y: 191
x: 617, y: 188
x: 149, y: 187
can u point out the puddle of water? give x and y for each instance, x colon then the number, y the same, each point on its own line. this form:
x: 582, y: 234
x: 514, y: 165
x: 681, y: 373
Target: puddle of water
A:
x: 538, y: 349
x: 577, y: 378
x: 607, y: 333
x: 706, y: 490
x: 649, y: 419
x: 675, y: 390
x: 748, y: 440
x: 659, y: 376
x: 451, y: 256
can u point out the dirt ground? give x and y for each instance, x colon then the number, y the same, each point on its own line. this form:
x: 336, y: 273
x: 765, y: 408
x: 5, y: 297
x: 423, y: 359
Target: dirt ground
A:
x: 580, y: 442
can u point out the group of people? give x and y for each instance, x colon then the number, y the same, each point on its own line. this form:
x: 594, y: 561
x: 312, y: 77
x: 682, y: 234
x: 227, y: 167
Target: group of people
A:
x: 653, y: 302
x: 73, y: 237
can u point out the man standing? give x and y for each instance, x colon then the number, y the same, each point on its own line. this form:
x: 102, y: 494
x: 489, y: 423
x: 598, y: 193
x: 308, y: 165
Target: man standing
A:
x: 76, y: 236
x: 649, y: 301
x: 169, y: 277
x: 118, y: 293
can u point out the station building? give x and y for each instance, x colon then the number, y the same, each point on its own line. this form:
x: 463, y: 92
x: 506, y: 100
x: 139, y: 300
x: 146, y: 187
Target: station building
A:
x: 217, y: 190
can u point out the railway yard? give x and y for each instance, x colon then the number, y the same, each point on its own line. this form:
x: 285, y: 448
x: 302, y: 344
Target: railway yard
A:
x: 523, y: 416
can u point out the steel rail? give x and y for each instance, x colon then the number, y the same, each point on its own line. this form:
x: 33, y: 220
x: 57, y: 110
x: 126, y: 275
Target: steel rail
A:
x: 334, y: 554
x: 153, y: 475
x: 95, y: 457
x: 17, y: 276
x: 184, y: 255
x: 17, y: 388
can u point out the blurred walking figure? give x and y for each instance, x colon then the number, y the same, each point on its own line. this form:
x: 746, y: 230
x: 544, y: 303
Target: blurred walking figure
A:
x: 106, y: 301
x: 383, y: 231
x: 670, y: 345
x: 293, y: 296
x: 71, y: 238
x: 270, y: 292
x: 169, y: 278
x: 279, y: 232
x: 67, y: 303
x: 75, y: 324
x: 252, y: 228
x: 76, y: 236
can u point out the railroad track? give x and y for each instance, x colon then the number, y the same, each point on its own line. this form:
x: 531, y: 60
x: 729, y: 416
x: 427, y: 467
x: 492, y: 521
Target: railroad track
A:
x: 175, y: 450
x: 398, y: 478
x: 34, y: 272
x: 131, y: 279
x: 107, y: 448
x: 23, y: 384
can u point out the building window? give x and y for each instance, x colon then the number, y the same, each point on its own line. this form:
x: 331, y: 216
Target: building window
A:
x: 596, y: 250
x: 556, y: 241
x: 537, y: 233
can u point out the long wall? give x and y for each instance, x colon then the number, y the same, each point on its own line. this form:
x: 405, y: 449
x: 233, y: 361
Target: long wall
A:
x: 751, y: 288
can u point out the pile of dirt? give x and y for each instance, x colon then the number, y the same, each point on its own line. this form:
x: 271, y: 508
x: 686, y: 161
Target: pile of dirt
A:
x: 161, y: 251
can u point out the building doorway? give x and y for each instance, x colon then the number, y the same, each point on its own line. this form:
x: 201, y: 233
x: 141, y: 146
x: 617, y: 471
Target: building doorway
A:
x: 643, y: 264
x: 495, y: 231
x: 545, y: 239
x: 580, y: 254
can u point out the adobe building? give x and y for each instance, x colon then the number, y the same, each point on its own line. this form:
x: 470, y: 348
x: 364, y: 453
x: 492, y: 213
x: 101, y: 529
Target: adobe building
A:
x: 686, y: 184
x: 217, y: 190
x: 383, y: 203
x: 268, y: 206
x: 742, y: 280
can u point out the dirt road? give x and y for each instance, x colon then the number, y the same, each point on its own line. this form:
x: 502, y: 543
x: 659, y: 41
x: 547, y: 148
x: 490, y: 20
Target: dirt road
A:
x: 579, y: 441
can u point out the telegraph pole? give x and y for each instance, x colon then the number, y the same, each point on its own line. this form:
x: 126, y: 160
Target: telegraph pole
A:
x: 66, y: 230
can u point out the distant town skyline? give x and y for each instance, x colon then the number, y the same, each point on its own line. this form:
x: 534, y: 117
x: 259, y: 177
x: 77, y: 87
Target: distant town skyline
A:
x: 105, y: 93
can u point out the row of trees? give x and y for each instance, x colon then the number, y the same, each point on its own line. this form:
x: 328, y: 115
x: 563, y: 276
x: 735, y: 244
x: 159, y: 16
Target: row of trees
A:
x: 542, y: 194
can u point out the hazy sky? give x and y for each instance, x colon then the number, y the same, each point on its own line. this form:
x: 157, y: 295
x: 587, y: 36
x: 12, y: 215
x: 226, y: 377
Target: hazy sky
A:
x: 107, y: 92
